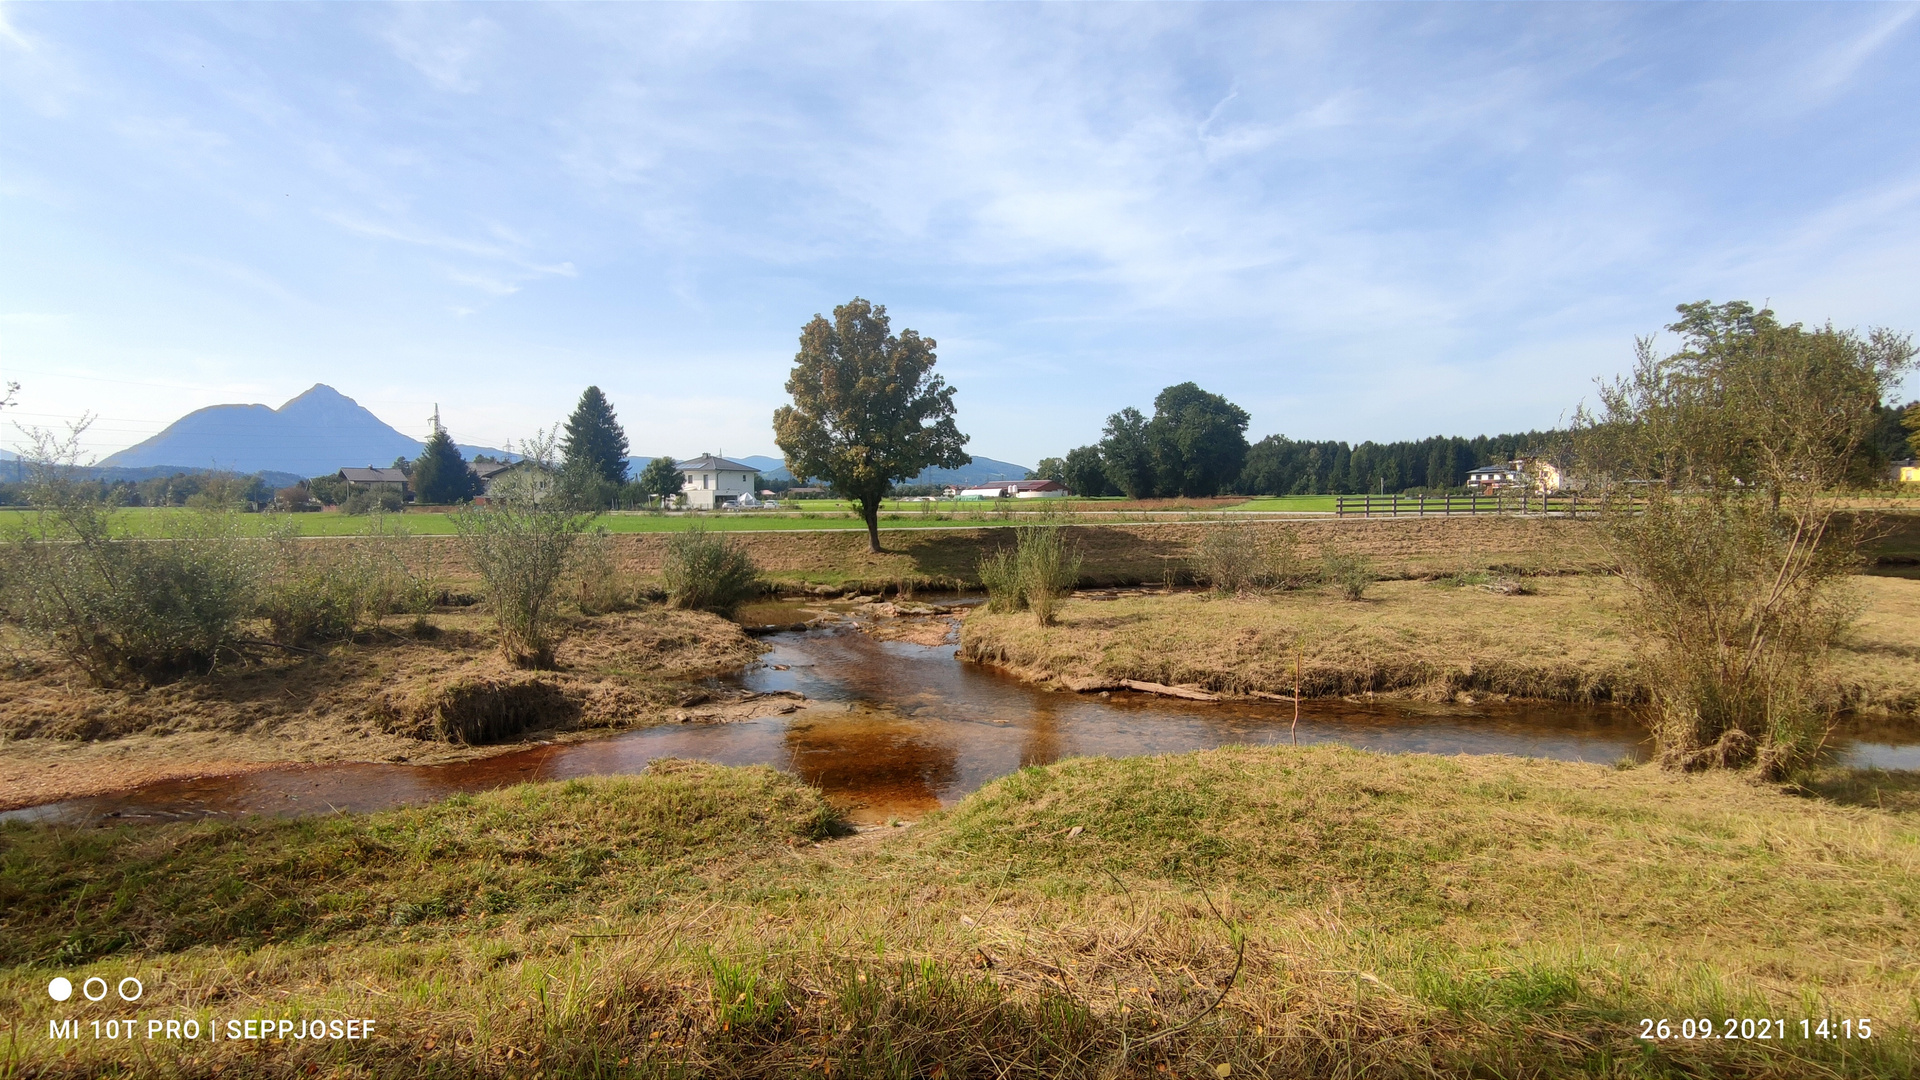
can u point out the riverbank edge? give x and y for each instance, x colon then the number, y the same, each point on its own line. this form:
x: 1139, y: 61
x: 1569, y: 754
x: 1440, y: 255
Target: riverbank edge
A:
x: 1066, y: 657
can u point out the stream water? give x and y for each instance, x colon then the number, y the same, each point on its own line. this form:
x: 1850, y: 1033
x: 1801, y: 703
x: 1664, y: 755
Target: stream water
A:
x: 893, y: 729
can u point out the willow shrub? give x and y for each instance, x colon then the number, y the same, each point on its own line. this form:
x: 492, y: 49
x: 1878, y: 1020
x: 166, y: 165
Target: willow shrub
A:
x: 521, y: 551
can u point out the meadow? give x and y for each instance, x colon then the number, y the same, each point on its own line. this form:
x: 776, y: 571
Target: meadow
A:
x: 1240, y: 912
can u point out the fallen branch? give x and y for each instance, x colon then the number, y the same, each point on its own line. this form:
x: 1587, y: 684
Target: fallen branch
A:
x: 1164, y: 690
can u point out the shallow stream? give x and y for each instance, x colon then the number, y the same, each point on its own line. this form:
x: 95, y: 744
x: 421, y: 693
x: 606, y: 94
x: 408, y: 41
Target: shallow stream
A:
x: 893, y: 729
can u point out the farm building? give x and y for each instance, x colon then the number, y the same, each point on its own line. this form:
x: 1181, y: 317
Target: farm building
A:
x: 1017, y: 489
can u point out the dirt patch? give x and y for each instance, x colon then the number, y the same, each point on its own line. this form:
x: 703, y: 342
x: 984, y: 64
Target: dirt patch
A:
x: 476, y: 710
x: 390, y: 696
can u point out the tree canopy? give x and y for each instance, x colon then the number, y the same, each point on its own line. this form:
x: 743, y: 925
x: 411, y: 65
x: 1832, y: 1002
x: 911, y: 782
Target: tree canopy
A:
x: 440, y: 475
x: 867, y: 408
x: 661, y: 477
x: 1127, y: 455
x: 1199, y: 441
x: 595, y: 444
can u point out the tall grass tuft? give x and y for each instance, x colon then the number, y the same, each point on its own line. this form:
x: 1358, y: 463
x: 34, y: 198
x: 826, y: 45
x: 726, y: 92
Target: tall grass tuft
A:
x: 1000, y: 575
x: 1049, y: 566
x: 706, y: 571
x: 1035, y: 573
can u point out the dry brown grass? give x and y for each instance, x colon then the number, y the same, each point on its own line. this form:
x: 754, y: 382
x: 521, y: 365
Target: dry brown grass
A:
x: 1565, y: 642
x: 360, y: 701
x: 1114, y: 554
x: 1387, y: 915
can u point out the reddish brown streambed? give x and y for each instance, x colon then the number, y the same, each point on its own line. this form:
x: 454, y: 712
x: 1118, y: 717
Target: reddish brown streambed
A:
x: 897, y: 729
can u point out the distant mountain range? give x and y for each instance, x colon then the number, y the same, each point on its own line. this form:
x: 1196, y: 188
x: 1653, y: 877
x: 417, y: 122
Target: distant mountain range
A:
x: 316, y: 433
x: 323, y: 430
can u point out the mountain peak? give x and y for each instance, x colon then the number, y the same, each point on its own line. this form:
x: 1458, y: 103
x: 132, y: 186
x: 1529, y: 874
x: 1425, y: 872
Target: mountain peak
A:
x: 318, y: 394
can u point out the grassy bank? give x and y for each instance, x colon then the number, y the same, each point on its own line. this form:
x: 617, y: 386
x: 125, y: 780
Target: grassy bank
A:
x: 1564, y: 641
x: 1351, y: 915
x: 1114, y: 553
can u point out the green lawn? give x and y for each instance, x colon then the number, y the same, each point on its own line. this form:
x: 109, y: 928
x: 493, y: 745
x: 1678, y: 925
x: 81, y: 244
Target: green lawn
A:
x: 1290, y: 504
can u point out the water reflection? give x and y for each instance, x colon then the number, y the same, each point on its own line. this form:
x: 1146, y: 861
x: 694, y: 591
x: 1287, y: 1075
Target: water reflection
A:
x: 895, y: 729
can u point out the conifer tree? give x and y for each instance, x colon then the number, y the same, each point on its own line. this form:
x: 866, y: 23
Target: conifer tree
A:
x: 595, y: 444
x: 441, y: 474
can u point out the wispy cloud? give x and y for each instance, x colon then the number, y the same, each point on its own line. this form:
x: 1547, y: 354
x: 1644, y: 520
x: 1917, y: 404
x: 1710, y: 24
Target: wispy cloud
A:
x: 1361, y: 221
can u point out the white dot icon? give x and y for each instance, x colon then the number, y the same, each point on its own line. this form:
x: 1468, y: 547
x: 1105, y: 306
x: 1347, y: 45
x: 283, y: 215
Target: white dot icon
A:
x: 60, y: 989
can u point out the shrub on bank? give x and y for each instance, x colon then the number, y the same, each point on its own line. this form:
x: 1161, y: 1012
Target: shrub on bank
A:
x: 124, y: 609
x: 521, y: 550
x: 1348, y: 571
x: 708, y: 572
x: 1034, y: 574
x: 311, y: 594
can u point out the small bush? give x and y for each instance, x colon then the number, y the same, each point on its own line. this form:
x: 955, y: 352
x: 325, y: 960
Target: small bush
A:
x: 602, y: 585
x: 521, y: 551
x: 124, y: 609
x: 1285, y: 568
x: 1230, y: 557
x: 1347, y: 571
x: 708, y: 572
x: 313, y: 592
x: 364, y: 501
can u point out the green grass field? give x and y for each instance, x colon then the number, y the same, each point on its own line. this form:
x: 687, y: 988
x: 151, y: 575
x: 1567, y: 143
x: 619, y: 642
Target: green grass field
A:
x: 812, y: 514
x: 160, y: 521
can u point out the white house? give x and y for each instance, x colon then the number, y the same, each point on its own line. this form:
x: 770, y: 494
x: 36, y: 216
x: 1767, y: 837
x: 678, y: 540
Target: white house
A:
x: 1533, y: 474
x: 707, y: 481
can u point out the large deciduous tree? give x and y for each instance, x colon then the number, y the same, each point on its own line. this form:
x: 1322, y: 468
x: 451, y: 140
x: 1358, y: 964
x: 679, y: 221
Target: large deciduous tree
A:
x: 1199, y: 441
x: 1727, y: 464
x: 661, y: 477
x: 1127, y: 454
x: 595, y: 444
x: 440, y: 474
x: 1085, y: 473
x: 867, y: 408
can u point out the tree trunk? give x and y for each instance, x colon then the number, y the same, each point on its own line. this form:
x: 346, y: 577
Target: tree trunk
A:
x: 871, y: 512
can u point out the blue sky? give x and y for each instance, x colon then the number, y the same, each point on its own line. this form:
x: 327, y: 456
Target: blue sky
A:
x: 1371, y: 221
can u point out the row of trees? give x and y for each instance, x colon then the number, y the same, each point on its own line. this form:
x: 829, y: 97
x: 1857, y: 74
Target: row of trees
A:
x: 205, y: 490
x: 1141, y: 456
x: 1195, y: 445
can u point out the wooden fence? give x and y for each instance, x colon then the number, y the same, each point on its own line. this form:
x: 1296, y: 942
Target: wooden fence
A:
x: 1505, y: 502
